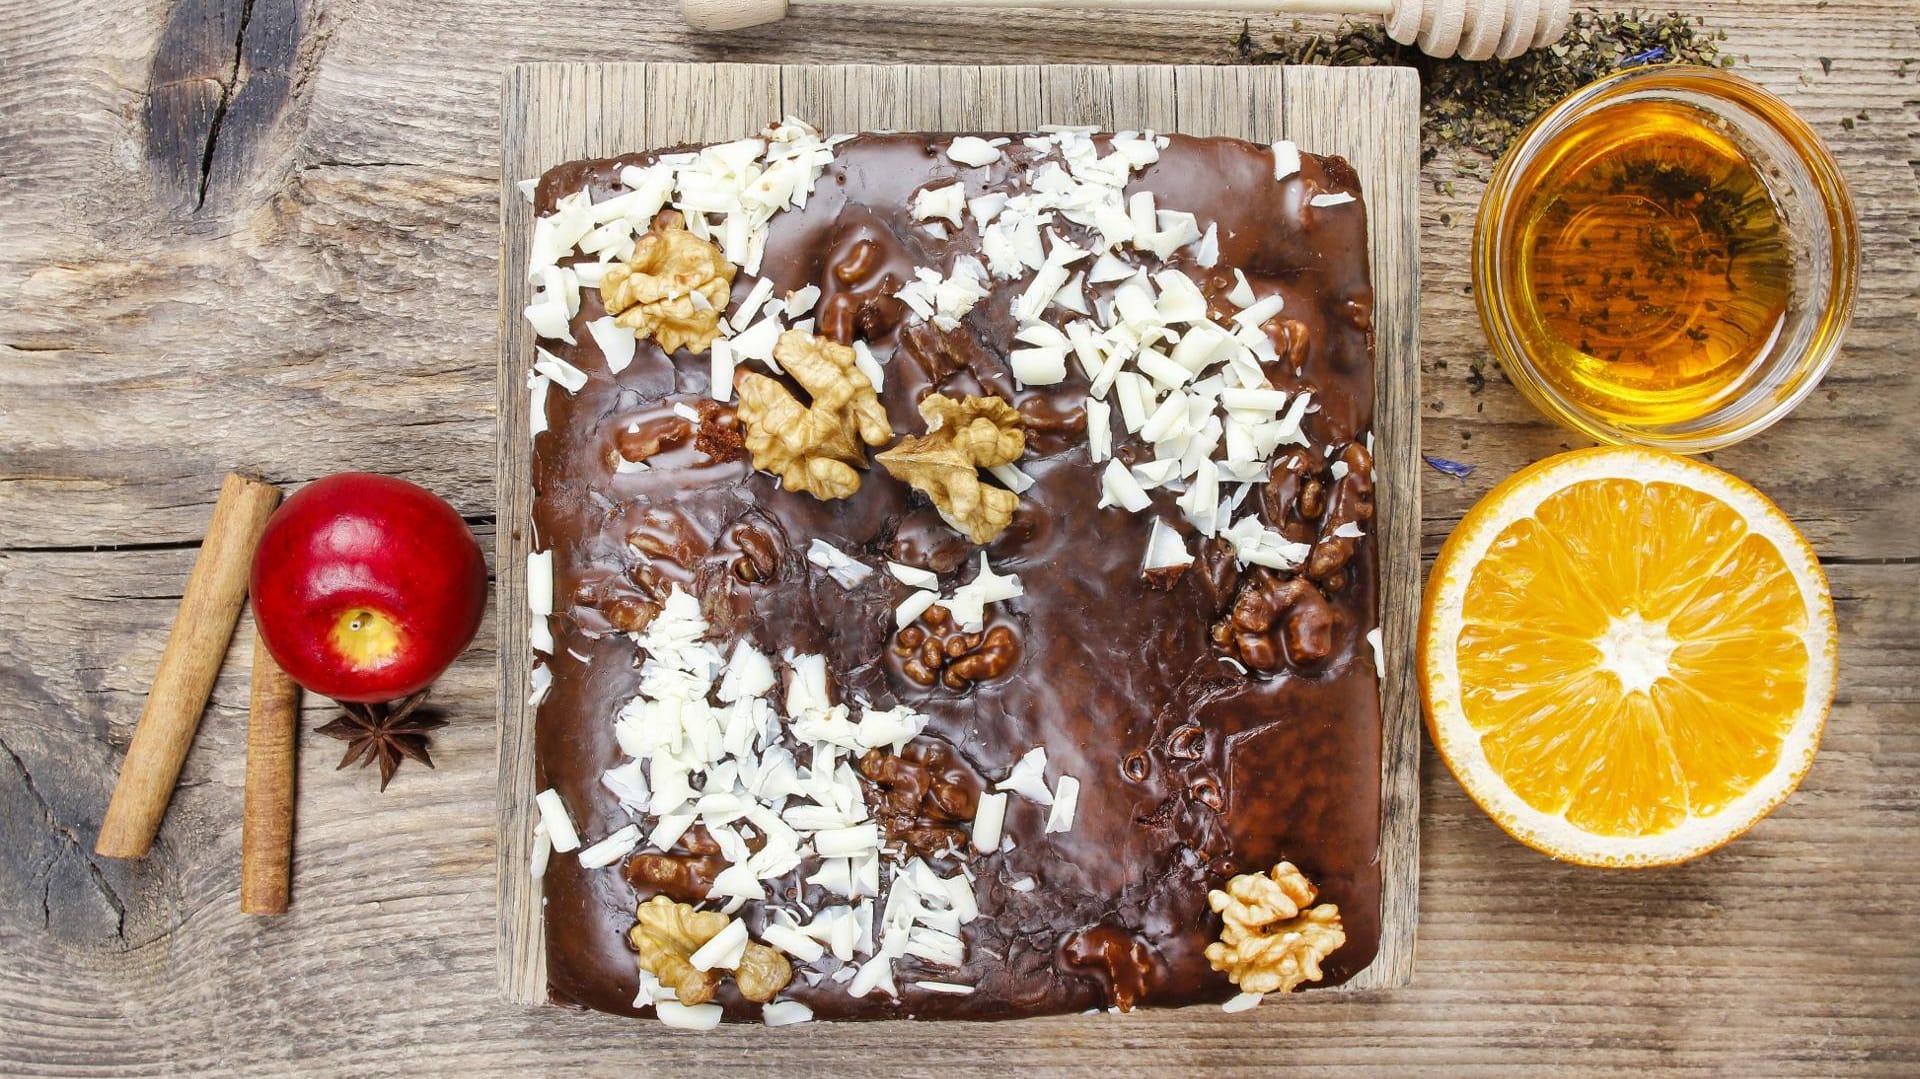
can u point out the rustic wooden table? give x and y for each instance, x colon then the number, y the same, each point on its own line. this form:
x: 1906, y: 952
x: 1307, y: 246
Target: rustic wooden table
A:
x: 261, y: 233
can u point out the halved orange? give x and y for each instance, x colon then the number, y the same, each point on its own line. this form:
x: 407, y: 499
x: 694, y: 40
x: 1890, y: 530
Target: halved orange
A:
x: 1626, y: 656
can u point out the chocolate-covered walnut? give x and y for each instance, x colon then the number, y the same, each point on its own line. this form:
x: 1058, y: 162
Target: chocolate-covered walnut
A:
x: 642, y: 439
x: 951, y: 359
x: 1219, y: 571
x: 663, y: 534
x: 847, y: 316
x: 1127, y: 966
x: 865, y: 266
x: 1276, y: 621
x: 669, y: 546
x: 629, y: 614
x: 1053, y: 423
x: 1349, y: 511
x: 1292, y: 340
x: 992, y: 657
x: 666, y: 547
x: 859, y: 264
x: 921, y: 795
x: 716, y: 435
x: 1163, y: 578
x: 1216, y: 286
x: 1358, y: 311
x: 1313, y: 498
x: 685, y: 875
x: 934, y: 649
x: 925, y: 540
x: 1187, y: 742
x: 1293, y: 498
x: 757, y: 550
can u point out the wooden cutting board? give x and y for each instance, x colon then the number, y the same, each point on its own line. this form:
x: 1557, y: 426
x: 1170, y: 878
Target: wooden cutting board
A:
x: 552, y: 113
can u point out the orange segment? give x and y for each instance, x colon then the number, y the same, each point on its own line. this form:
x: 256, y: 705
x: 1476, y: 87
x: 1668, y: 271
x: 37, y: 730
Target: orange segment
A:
x: 1627, y: 657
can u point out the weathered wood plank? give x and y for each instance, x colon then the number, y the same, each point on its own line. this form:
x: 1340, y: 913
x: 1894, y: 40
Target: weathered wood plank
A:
x: 1078, y: 94
x: 1247, y: 102
x: 521, y: 960
x: 1143, y: 97
x: 986, y: 98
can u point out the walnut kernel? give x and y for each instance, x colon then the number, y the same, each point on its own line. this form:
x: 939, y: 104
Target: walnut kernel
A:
x: 643, y: 439
x: 1276, y: 620
x: 923, y: 796
x: 654, y: 291
x: 687, y: 877
x: 963, y: 436
x: 666, y: 933
x: 1271, y: 940
x: 1350, y: 502
x: 762, y: 973
x: 935, y: 649
x: 812, y: 448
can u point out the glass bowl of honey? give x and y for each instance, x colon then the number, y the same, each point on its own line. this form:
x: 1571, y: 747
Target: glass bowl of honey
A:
x: 1667, y: 257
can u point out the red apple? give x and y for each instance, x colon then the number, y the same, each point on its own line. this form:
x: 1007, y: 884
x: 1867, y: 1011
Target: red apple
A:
x: 367, y: 587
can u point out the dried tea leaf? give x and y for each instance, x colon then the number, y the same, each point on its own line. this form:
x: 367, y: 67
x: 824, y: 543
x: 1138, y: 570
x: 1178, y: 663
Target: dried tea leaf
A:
x: 1481, y: 106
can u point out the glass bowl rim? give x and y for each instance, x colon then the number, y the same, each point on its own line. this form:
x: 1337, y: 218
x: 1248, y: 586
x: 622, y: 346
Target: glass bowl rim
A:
x: 1726, y: 93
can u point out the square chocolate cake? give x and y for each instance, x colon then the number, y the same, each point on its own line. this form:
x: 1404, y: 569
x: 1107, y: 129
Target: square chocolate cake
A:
x: 955, y: 584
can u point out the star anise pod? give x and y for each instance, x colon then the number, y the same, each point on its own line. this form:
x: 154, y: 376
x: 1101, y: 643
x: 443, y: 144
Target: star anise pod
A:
x: 385, y: 733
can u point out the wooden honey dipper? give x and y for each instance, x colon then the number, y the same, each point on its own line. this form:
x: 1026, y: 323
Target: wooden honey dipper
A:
x: 1470, y: 29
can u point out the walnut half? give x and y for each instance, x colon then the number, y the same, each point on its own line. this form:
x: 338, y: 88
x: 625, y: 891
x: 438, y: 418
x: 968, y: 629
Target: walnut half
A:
x: 673, y: 288
x: 812, y: 448
x: 666, y: 933
x: 963, y: 436
x: 1271, y: 940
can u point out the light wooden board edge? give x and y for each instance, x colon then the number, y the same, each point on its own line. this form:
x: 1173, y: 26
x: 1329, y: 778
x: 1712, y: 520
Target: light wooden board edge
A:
x: 521, y: 960
x: 551, y: 113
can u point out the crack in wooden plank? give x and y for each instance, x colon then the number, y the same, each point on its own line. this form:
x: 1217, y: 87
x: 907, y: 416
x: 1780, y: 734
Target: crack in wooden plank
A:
x: 223, y: 78
x: 328, y: 163
x: 1867, y: 560
x: 71, y: 839
x: 228, y: 87
x: 102, y: 548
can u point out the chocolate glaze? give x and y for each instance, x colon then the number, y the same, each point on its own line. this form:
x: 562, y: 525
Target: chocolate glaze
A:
x: 1191, y: 771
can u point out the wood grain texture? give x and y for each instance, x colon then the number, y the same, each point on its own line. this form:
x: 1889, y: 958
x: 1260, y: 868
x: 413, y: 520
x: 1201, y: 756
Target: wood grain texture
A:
x: 335, y: 308
x: 580, y: 110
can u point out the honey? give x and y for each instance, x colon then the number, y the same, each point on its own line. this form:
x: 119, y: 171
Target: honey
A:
x: 1651, y: 267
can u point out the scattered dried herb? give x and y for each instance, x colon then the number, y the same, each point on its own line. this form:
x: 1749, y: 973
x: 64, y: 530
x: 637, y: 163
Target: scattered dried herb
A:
x: 1481, y: 106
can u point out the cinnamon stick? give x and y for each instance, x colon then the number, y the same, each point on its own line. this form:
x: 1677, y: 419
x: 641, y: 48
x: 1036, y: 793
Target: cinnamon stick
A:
x: 201, y: 631
x: 266, y: 826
